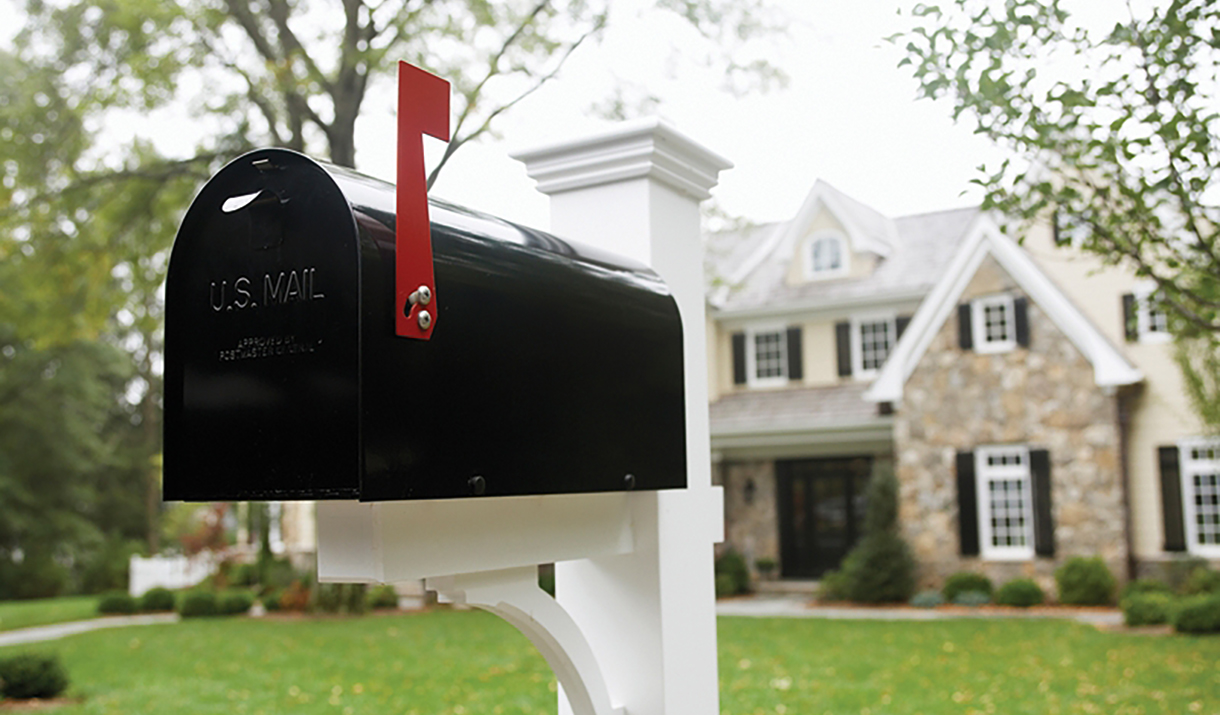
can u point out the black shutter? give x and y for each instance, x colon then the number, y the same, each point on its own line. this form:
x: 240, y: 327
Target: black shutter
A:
x: 1020, y: 309
x: 1044, y: 520
x: 1171, y: 499
x: 843, y: 344
x: 967, y: 505
x: 1130, y: 326
x: 739, y: 358
x: 964, y: 337
x: 795, y: 371
x: 900, y: 325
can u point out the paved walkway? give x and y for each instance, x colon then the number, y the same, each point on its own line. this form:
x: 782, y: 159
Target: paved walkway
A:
x: 59, y: 630
x: 797, y: 607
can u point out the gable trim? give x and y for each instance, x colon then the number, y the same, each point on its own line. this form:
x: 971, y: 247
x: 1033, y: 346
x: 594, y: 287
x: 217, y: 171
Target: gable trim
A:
x: 785, y: 235
x: 984, y: 239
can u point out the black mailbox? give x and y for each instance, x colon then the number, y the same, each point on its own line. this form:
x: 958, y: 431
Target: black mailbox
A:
x: 552, y: 368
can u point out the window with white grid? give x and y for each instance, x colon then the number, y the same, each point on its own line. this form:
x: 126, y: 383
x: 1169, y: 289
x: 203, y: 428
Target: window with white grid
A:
x: 1201, y: 494
x: 826, y: 256
x: 871, y: 341
x: 768, y: 357
x: 1006, y: 508
x: 994, y: 324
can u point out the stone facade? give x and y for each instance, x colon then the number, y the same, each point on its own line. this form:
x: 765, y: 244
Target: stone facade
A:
x: 751, y: 506
x: 751, y: 514
x: 1043, y: 397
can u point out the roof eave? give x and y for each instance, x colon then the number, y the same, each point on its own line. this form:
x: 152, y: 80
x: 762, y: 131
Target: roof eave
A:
x: 821, y: 305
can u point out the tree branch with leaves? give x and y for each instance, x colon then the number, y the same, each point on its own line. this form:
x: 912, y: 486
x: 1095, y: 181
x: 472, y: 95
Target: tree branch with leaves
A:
x: 1113, y: 133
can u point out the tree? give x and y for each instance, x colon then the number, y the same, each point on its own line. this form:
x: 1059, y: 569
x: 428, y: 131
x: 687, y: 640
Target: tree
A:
x: 60, y: 431
x: 880, y: 567
x: 1114, y: 134
x: 86, y: 224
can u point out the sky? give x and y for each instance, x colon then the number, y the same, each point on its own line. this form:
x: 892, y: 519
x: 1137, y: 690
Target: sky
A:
x: 849, y: 116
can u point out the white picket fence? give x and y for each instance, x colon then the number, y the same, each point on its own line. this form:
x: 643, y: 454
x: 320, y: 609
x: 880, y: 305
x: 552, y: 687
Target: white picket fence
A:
x: 168, y: 572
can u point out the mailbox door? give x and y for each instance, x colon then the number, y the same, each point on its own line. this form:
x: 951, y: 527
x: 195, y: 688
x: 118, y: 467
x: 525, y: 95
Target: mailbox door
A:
x: 262, y: 338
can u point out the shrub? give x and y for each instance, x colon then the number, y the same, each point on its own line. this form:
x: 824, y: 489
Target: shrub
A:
x: 197, y: 604
x: 157, y: 599
x: 725, y: 585
x: 1085, y: 582
x: 355, y: 598
x: 1198, y: 614
x: 243, y: 575
x: 927, y: 599
x: 1202, y: 580
x: 278, y: 574
x: 339, y: 598
x: 273, y: 600
x: 833, y: 586
x: 234, y: 603
x: 37, y: 576
x: 963, y: 581
x: 31, y: 675
x: 880, y: 569
x: 733, y: 566
x: 973, y: 599
x: 1149, y: 608
x: 1146, y: 585
x: 766, y: 566
x: 1021, y: 592
x: 327, y: 598
x: 296, y: 597
x: 1179, y: 570
x: 386, y: 597
x: 116, y: 602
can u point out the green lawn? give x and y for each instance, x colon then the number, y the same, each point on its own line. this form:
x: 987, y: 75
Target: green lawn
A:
x: 454, y: 663
x: 23, y: 614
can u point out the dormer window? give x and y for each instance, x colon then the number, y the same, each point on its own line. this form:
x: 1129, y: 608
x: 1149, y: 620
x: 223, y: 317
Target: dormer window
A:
x: 826, y: 256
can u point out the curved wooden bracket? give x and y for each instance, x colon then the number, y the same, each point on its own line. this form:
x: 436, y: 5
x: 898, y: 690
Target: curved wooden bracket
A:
x: 513, y: 594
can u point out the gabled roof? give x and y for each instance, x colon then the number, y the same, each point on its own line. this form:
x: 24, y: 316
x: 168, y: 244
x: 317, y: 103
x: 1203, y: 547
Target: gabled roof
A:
x: 747, y: 269
x: 984, y: 239
x: 867, y: 230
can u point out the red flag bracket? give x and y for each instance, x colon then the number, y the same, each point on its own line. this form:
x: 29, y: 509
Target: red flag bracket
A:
x: 423, y: 108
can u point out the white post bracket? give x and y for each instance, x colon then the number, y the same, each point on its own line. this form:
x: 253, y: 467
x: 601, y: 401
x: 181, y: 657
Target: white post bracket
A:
x: 514, y: 595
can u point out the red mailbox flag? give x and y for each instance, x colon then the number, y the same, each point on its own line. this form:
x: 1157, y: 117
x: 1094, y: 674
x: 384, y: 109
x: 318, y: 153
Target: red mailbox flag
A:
x: 423, y: 108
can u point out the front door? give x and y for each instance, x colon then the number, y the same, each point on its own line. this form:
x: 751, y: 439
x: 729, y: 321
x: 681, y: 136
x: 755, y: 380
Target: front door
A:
x: 821, y: 510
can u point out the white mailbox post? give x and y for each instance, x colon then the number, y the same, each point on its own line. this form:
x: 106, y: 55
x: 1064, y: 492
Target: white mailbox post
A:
x: 632, y: 629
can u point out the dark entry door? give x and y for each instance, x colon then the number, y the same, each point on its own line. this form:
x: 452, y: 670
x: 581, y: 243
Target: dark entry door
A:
x: 821, y: 510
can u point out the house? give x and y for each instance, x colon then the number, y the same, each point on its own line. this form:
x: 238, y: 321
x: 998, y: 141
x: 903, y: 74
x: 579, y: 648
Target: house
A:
x: 1024, y: 395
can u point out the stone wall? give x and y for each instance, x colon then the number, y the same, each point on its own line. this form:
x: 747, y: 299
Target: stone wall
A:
x: 1043, y: 397
x: 751, y: 525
